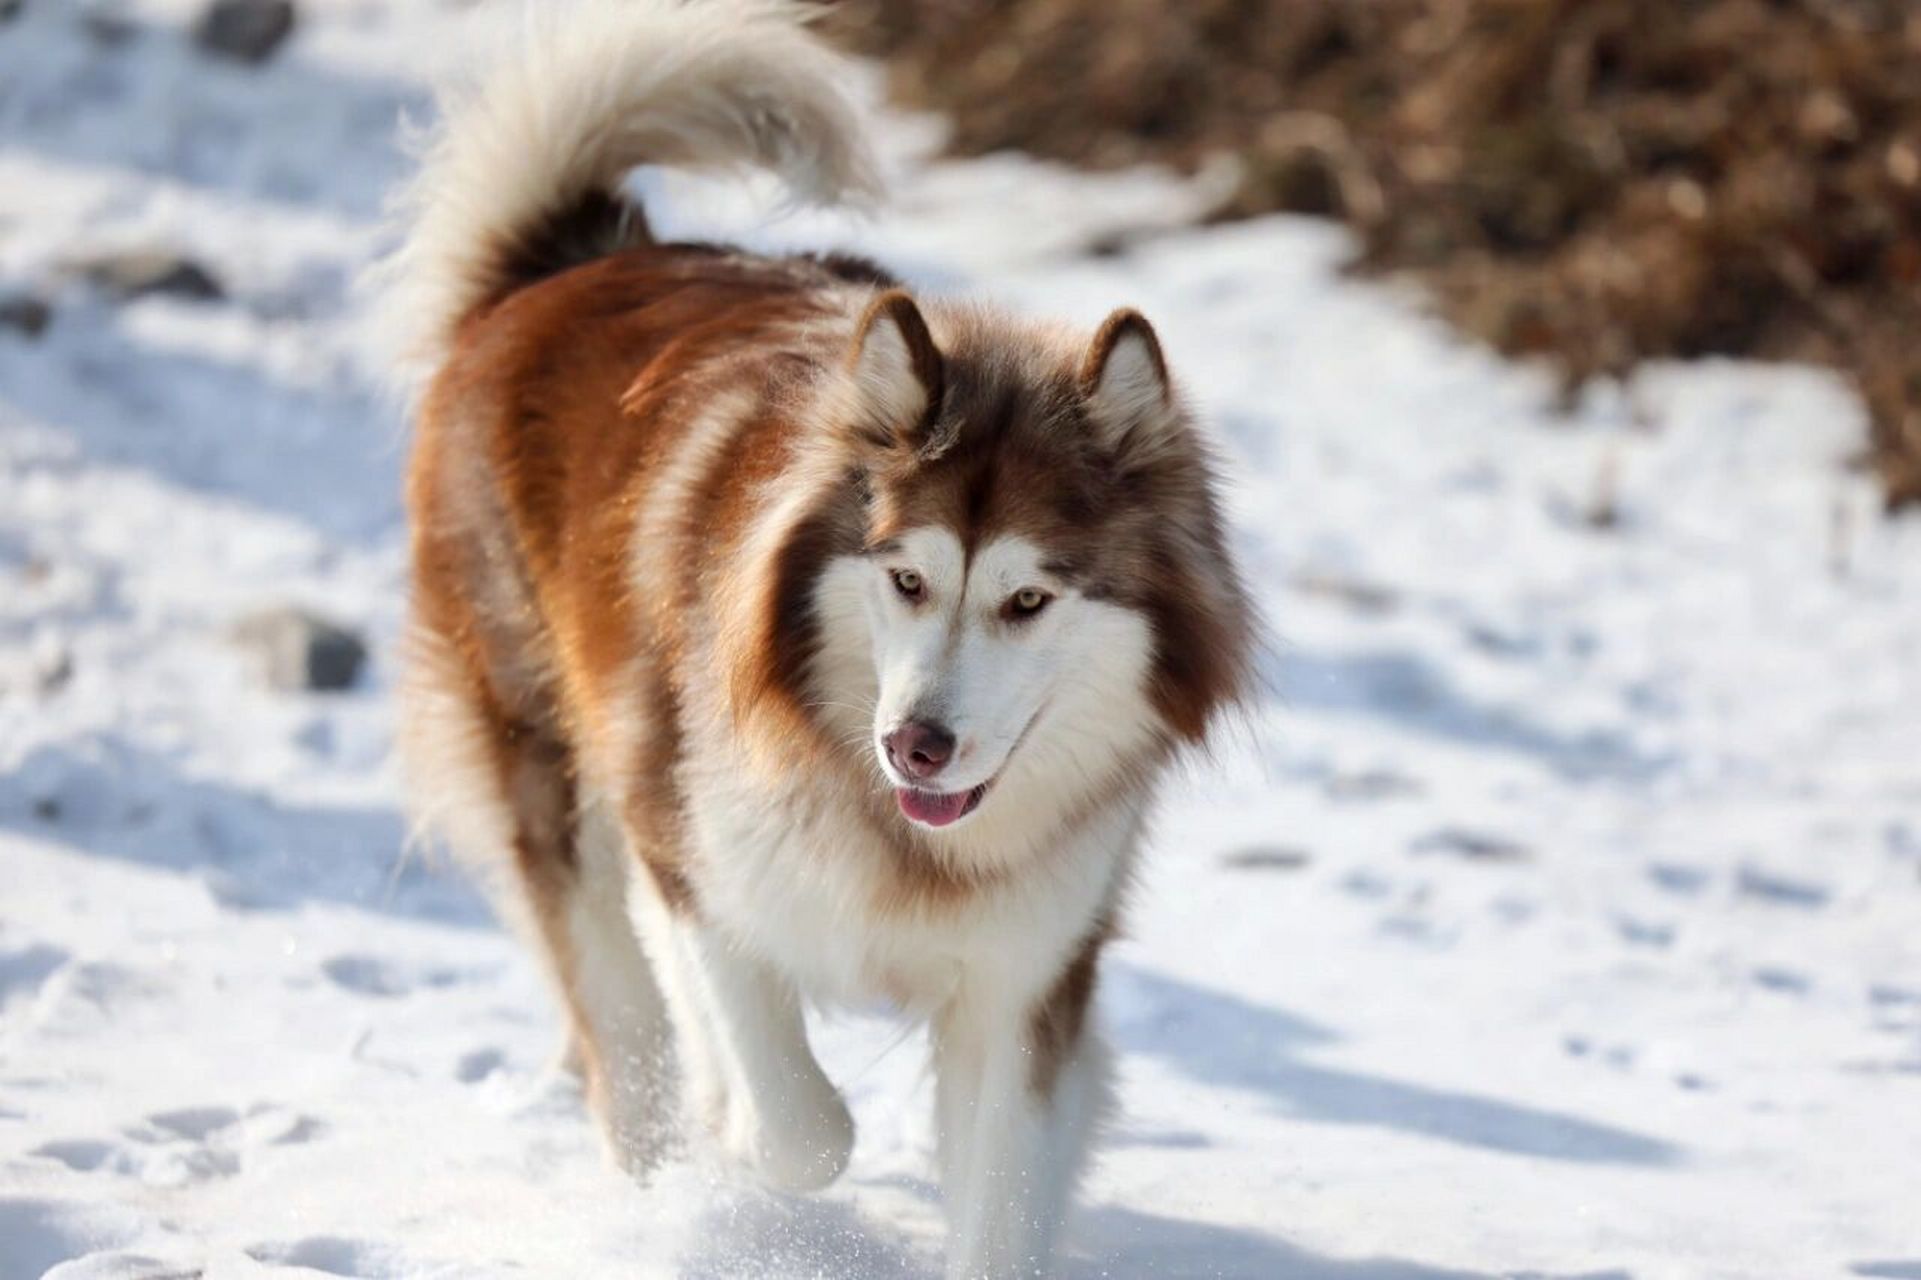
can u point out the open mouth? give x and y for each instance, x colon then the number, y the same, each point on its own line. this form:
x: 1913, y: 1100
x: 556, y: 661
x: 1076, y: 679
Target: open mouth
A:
x: 939, y: 808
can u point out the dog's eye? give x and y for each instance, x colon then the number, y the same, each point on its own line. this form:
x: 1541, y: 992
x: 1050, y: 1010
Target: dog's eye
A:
x: 1027, y: 602
x: 909, y: 584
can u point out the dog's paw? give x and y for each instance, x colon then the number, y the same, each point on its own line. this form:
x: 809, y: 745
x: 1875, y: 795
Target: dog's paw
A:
x: 799, y: 1144
x: 636, y: 1121
x: 637, y: 1146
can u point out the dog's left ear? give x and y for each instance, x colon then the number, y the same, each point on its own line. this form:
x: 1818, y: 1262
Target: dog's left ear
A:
x: 897, y: 371
x: 1124, y: 377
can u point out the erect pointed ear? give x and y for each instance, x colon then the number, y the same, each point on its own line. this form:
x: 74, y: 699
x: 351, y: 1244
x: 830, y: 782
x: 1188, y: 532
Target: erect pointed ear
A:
x: 897, y: 372
x: 1124, y: 376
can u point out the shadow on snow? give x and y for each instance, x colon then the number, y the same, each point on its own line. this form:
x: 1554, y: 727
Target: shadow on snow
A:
x: 1225, y: 1041
x: 252, y: 852
x: 1412, y: 694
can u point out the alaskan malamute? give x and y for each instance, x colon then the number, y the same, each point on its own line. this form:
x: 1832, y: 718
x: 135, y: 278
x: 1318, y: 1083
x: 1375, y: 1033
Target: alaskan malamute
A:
x: 781, y: 635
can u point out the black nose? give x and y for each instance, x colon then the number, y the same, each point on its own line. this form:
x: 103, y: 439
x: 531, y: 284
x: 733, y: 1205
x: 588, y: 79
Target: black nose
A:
x: 919, y: 751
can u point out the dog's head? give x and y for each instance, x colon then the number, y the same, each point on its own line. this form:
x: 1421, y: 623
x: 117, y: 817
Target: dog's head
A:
x: 1042, y: 602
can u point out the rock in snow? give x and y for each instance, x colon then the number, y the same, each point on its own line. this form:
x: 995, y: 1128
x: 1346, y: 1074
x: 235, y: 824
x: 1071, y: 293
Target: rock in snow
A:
x: 247, y: 31
x: 136, y: 273
x: 24, y: 314
x: 303, y: 651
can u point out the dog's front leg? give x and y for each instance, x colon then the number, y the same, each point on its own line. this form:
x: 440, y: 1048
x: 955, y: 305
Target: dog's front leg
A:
x: 1017, y: 1096
x: 741, y: 1039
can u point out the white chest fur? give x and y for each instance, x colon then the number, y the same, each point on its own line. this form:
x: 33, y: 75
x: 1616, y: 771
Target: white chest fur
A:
x: 809, y: 890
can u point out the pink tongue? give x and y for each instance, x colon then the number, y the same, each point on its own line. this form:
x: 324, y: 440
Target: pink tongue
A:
x: 932, y: 807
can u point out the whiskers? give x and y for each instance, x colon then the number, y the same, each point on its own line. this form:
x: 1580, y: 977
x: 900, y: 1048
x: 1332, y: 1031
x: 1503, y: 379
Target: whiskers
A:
x: 865, y: 711
x: 857, y: 741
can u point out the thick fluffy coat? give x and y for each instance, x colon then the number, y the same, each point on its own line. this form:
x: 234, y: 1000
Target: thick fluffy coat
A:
x: 779, y: 636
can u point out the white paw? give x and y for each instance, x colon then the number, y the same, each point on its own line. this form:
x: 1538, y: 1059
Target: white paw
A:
x: 636, y: 1122
x: 636, y: 1147
x: 797, y: 1144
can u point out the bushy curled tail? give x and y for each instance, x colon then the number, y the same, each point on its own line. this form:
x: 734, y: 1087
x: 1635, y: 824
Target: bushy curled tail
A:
x: 521, y: 176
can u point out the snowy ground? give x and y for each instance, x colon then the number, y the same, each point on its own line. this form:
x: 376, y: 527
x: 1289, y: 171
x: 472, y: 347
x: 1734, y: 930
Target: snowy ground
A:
x: 1557, y: 917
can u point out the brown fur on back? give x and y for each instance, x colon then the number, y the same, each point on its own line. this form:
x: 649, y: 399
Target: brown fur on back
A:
x: 540, y: 444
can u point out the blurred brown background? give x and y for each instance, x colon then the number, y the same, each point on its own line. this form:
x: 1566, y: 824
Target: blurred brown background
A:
x: 1594, y: 181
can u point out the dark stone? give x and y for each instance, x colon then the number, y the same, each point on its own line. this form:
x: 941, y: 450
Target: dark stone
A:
x: 25, y: 314
x: 303, y: 652
x: 141, y: 272
x: 247, y: 31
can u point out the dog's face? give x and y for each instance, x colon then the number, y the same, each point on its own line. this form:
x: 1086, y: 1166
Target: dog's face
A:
x: 991, y: 660
x: 1043, y: 583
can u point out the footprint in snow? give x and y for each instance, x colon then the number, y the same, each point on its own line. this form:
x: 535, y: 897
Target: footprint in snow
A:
x: 383, y: 979
x: 194, y: 1123
x: 82, y: 1155
x: 1365, y: 884
x: 334, y: 1255
x: 24, y: 971
x: 171, y: 1168
x: 367, y: 976
x: 88, y: 995
x: 1473, y: 846
x: 264, y: 1124
x: 478, y: 1065
x: 1645, y: 933
x: 1895, y: 1002
x: 1621, y: 1057
x: 267, y: 1125
x: 186, y: 1146
x: 1780, y: 890
x: 1678, y: 878
x: 1785, y: 981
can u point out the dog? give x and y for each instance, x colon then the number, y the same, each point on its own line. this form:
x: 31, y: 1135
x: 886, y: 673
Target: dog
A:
x: 779, y: 636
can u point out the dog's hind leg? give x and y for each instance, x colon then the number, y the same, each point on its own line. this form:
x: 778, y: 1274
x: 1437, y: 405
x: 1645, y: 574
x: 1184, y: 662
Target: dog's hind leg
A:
x: 500, y: 788
x: 619, y: 1014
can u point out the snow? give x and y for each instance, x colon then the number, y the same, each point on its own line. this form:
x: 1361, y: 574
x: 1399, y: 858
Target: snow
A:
x: 1554, y: 916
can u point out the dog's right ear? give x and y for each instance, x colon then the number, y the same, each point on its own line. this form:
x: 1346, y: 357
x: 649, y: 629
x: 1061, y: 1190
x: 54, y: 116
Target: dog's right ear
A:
x: 897, y: 373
